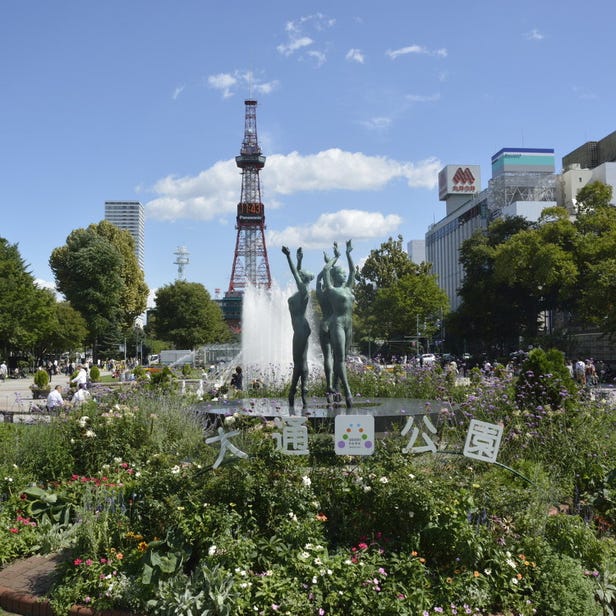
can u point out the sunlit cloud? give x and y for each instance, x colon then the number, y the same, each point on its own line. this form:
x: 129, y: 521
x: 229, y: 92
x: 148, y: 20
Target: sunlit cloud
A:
x: 377, y: 123
x: 416, y: 49
x: 422, y: 98
x: 213, y: 193
x: 355, y: 55
x: 534, y: 35
x: 228, y: 83
x: 301, y: 35
x: 331, y: 226
x: 177, y: 92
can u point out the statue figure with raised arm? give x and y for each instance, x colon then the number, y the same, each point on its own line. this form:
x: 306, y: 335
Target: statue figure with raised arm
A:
x: 298, y: 303
x: 338, y: 293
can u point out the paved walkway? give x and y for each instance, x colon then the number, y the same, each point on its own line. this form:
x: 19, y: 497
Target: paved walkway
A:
x: 25, y: 583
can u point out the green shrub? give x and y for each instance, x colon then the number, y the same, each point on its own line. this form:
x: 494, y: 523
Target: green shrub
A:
x: 186, y: 370
x: 95, y: 374
x: 563, y: 590
x: 41, y: 379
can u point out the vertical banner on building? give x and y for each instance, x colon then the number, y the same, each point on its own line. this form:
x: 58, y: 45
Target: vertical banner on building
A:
x: 354, y: 435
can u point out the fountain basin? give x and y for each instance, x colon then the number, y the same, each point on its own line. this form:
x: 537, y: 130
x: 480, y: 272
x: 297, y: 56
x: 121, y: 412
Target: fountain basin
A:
x: 387, y: 412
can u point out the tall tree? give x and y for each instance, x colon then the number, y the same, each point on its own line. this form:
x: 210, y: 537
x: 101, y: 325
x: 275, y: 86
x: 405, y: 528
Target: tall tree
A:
x: 486, y: 320
x: 24, y: 308
x: 97, y: 271
x: 394, y: 294
x: 186, y: 316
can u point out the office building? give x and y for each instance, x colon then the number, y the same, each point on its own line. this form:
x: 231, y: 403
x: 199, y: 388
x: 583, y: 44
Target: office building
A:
x: 129, y: 215
x: 523, y: 183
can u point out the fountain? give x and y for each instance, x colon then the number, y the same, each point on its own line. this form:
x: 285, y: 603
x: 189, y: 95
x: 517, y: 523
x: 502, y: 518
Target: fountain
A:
x: 266, y: 356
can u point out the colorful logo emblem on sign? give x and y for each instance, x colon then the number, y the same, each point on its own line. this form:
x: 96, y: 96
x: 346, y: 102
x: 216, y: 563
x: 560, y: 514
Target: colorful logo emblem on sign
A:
x: 354, y: 435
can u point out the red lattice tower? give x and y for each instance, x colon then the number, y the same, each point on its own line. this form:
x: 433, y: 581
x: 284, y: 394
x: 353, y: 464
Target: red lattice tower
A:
x: 250, y: 264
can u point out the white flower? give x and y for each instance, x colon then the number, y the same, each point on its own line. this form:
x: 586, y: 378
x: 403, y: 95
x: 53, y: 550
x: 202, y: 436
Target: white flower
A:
x: 304, y: 555
x: 411, y: 476
x: 117, y: 460
x: 514, y: 580
x: 175, y: 470
x: 384, y: 480
x: 229, y: 421
x: 367, y: 488
x: 212, y: 550
x: 306, y: 481
x: 292, y: 516
x: 90, y: 433
x: 318, y: 561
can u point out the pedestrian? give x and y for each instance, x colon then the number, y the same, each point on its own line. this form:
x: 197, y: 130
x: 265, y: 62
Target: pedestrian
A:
x: 81, y: 377
x: 81, y: 395
x: 236, y: 379
x: 3, y: 372
x: 55, y: 401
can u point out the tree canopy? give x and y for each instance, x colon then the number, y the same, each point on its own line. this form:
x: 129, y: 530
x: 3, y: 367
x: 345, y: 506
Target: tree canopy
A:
x: 520, y: 276
x: 98, y: 272
x: 186, y: 316
x: 395, y: 295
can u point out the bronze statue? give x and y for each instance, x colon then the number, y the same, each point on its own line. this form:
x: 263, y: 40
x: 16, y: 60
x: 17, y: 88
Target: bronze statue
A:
x: 337, y: 290
x: 298, y: 303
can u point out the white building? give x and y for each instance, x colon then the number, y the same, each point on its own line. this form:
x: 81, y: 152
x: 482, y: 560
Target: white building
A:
x: 129, y: 215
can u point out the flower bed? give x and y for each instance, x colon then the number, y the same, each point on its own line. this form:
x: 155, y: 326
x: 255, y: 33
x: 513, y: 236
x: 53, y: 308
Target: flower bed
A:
x: 128, y: 488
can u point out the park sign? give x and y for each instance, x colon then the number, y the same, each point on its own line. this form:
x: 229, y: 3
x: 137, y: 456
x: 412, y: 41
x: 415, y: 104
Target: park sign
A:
x: 458, y: 180
x: 354, y: 436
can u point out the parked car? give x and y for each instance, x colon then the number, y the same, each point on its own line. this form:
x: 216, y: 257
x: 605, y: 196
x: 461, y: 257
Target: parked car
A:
x: 427, y: 359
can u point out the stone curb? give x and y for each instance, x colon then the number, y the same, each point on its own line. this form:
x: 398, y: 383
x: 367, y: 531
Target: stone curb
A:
x: 30, y: 605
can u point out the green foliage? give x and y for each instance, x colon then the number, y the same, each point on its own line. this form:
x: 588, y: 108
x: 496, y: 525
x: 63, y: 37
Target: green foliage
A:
x: 562, y: 588
x: 41, y: 378
x: 161, y: 531
x: 186, y: 315
x: 545, y: 381
x: 97, y: 271
x: 186, y: 370
x: 394, y: 294
x: 95, y: 374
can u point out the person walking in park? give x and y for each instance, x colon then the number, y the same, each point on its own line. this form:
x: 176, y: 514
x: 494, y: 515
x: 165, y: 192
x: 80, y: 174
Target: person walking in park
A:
x: 338, y: 290
x: 298, y: 304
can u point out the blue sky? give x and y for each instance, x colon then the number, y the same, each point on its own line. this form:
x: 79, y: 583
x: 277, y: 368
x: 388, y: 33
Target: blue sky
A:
x: 360, y: 105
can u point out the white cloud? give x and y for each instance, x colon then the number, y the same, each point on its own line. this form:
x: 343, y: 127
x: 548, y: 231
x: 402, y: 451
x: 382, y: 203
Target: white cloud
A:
x: 422, y: 98
x: 355, y: 55
x: 416, y: 49
x: 228, y: 82
x: 223, y: 82
x: 534, y: 35
x: 294, y: 44
x: 318, y: 56
x: 214, y: 192
x: 298, y: 39
x: 45, y: 284
x: 331, y: 226
x: 177, y: 92
x: 377, y: 123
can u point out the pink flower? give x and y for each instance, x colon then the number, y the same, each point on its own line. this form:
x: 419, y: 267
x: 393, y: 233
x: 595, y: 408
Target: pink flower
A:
x: 14, y: 530
x: 77, y: 562
x: 89, y: 562
x: 362, y: 546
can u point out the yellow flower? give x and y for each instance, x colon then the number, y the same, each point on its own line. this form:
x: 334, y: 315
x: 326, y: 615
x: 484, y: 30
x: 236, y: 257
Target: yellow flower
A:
x: 476, y: 574
x: 143, y: 546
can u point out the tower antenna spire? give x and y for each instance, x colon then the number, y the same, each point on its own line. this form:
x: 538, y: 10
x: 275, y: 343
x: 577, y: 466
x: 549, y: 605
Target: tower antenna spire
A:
x: 181, y: 260
x: 250, y: 262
